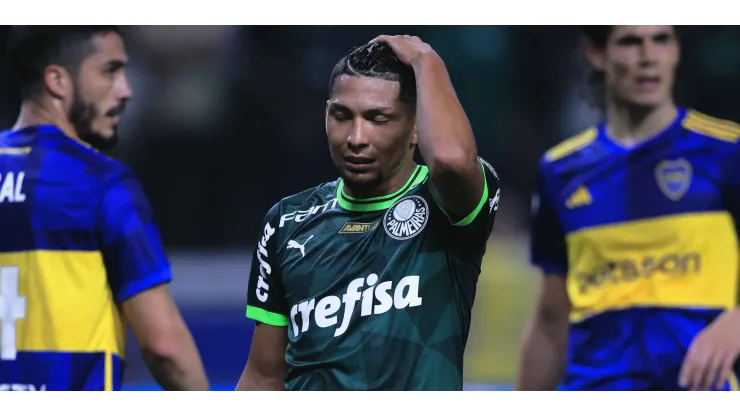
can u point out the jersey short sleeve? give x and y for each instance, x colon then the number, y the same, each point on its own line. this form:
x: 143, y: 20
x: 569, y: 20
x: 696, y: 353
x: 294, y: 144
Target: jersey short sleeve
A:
x: 547, y: 243
x: 266, y: 296
x: 479, y: 223
x: 132, y: 250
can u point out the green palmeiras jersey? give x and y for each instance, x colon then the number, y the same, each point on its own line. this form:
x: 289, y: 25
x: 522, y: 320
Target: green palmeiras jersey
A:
x: 375, y: 294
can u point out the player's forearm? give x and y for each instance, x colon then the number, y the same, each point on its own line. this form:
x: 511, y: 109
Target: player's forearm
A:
x: 252, y: 380
x: 543, y: 356
x: 180, y: 369
x: 446, y: 139
x: 254, y: 384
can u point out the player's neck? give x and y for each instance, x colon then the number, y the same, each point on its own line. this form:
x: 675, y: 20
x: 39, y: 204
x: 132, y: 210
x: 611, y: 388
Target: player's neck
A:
x: 395, y: 182
x: 35, y: 113
x: 630, y: 125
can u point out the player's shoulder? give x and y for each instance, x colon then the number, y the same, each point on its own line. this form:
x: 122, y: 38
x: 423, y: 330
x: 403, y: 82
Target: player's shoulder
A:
x: 305, y: 203
x: 569, y: 149
x: 100, y: 168
x: 78, y: 156
x: 64, y: 158
x: 710, y: 130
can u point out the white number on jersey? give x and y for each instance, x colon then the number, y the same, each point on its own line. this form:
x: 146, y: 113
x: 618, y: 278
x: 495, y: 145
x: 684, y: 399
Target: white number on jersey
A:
x: 12, y: 308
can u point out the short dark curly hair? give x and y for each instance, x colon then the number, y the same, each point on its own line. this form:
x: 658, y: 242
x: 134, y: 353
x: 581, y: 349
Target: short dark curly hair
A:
x: 377, y: 60
x: 31, y: 49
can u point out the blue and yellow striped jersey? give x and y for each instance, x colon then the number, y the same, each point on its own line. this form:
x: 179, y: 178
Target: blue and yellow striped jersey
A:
x: 76, y: 239
x: 647, y: 239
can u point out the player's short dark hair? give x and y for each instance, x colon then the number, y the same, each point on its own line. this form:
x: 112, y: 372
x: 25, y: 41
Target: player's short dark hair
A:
x: 598, y: 36
x: 377, y: 60
x: 31, y: 49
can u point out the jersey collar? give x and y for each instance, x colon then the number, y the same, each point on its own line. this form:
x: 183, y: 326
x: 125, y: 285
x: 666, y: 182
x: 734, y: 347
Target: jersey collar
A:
x: 382, y: 202
x: 666, y: 132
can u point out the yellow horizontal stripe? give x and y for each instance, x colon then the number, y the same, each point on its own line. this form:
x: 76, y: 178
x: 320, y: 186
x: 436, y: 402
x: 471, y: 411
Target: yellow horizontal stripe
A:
x: 681, y: 261
x: 68, y: 304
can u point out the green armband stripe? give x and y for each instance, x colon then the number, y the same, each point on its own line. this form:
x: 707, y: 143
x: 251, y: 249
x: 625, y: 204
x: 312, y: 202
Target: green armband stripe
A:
x: 469, y: 219
x: 269, y: 318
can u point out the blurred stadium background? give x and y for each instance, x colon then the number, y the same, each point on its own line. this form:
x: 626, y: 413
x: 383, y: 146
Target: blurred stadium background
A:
x: 225, y: 121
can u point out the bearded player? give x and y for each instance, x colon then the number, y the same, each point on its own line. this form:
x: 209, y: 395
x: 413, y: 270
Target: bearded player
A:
x: 80, y: 254
x: 636, y: 234
x: 367, y: 282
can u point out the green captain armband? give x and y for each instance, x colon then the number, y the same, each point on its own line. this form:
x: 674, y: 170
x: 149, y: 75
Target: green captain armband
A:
x: 266, y: 317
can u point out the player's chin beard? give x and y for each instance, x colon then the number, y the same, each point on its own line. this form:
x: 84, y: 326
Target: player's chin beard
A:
x: 81, y: 115
x: 362, y: 188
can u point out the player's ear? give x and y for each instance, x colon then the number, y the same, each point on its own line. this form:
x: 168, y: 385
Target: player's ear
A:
x: 58, y: 81
x: 595, y: 57
x: 414, y: 138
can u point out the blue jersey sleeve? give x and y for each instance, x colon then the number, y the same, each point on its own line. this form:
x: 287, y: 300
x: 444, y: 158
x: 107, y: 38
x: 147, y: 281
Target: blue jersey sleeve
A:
x: 548, y: 249
x: 731, y: 180
x: 132, y: 249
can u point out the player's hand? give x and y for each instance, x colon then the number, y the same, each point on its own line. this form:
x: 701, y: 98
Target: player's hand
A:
x: 712, y: 354
x: 409, y: 49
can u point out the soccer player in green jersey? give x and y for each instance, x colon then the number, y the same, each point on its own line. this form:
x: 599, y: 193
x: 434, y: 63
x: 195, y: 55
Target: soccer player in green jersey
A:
x: 367, y: 282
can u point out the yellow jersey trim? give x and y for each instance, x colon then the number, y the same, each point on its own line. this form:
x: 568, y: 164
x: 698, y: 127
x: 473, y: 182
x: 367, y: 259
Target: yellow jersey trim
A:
x: 724, y: 130
x: 571, y: 145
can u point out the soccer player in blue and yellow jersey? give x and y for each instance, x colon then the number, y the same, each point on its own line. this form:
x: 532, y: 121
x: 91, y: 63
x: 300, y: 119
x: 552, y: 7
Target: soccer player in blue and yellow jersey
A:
x: 635, y: 232
x: 79, y: 251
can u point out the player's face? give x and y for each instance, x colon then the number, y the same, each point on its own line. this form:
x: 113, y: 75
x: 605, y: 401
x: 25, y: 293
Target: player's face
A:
x: 371, y: 132
x: 640, y: 64
x: 101, y: 92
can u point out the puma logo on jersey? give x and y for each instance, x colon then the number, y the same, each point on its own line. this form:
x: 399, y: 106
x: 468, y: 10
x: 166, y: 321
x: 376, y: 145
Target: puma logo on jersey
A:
x: 493, y: 203
x: 374, y: 300
x: 262, y: 286
x: 302, y: 247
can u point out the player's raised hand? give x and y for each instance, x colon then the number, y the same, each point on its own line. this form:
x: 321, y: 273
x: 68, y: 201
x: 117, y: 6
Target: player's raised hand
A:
x: 712, y: 354
x: 409, y: 49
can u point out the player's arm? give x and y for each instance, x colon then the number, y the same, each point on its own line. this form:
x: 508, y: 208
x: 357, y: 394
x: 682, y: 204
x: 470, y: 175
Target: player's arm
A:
x: 542, y: 358
x: 444, y: 133
x: 265, y: 369
x: 715, y: 352
x: 165, y: 341
x: 266, y: 305
x: 138, y: 271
